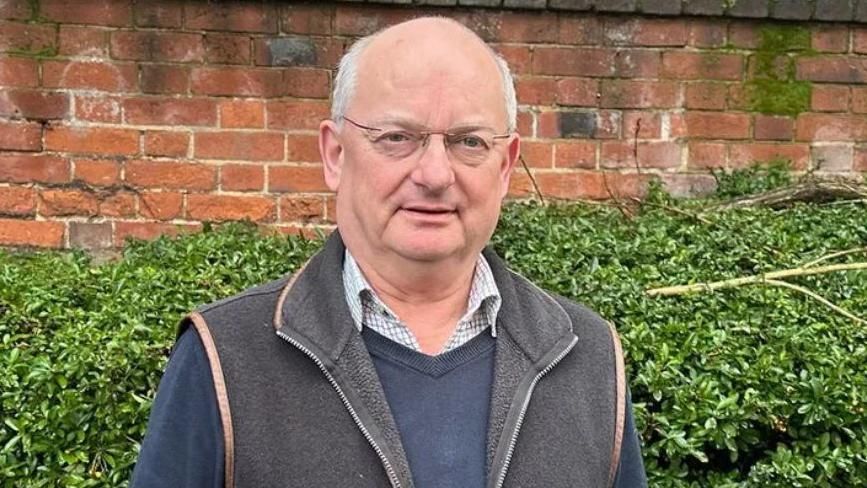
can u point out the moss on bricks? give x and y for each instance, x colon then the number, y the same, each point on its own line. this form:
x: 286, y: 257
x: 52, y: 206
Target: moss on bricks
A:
x: 774, y: 88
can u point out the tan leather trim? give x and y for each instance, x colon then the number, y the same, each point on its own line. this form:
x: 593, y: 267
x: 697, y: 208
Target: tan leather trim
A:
x: 222, y: 395
x: 285, y: 293
x: 620, y: 405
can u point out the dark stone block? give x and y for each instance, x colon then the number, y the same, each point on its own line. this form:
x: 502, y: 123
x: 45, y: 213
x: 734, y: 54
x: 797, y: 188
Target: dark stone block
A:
x: 570, y: 4
x: 703, y: 7
x: 617, y: 5
x: 749, y: 8
x: 661, y: 7
x: 534, y: 4
x: 792, y: 10
x: 439, y: 3
x: 861, y: 11
x: 577, y: 124
x: 480, y: 3
x: 90, y: 235
x: 833, y: 10
x: 291, y: 51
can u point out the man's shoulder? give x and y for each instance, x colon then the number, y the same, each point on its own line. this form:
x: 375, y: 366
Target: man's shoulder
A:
x: 261, y: 298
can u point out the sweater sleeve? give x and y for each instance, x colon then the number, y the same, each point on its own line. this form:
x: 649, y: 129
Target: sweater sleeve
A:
x: 630, y: 473
x: 184, y: 441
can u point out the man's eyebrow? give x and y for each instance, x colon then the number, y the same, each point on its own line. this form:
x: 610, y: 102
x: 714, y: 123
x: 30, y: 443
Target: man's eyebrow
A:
x: 410, y: 124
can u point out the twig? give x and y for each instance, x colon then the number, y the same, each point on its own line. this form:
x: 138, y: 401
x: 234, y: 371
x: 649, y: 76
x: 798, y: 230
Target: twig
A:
x: 532, y: 179
x: 748, y: 280
x: 818, y: 298
x: 834, y: 255
x: 673, y: 209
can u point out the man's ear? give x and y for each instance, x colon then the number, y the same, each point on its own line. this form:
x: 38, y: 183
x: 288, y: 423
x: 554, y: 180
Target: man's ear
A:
x: 513, y: 152
x: 331, y: 151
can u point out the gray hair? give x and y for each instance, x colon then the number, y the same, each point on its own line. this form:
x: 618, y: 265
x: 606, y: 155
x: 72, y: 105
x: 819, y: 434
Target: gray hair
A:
x: 347, y: 79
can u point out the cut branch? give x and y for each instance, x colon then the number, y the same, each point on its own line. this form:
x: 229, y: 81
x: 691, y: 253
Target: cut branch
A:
x: 811, y: 190
x: 818, y: 298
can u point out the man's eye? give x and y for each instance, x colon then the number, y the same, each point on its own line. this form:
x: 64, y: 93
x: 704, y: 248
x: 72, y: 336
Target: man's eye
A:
x: 469, y: 141
x: 394, y: 137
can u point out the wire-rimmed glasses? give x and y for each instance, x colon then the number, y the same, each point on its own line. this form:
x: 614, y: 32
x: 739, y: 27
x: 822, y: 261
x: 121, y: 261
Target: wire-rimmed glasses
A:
x: 471, y: 146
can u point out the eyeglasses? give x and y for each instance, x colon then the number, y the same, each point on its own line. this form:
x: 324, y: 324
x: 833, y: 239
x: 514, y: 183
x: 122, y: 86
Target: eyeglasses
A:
x: 471, y: 147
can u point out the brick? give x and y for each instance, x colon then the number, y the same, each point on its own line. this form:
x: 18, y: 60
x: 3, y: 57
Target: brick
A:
x: 86, y: 235
x: 96, y: 172
x: 833, y: 69
x: 577, y: 154
x: 26, y: 38
x: 296, y: 114
x: 14, y: 232
x: 306, y: 19
x: 830, y: 38
x: 585, y: 30
x: 833, y: 157
x: 293, y: 51
x: 227, y: 49
x: 577, y: 124
x: 792, y: 9
x: 242, y: 177
x: 166, y: 143
x: 242, y: 114
x: 17, y: 201
x: 170, y: 175
x: 94, y: 140
x: 706, y: 96
x: 622, y: 154
x: 707, y: 155
x: 745, y: 155
x: 231, y: 207
x: 359, y: 21
x: 246, y: 146
x: 149, y: 230
x: 158, y: 13
x: 33, y: 105
x: 18, y: 72
x: 706, y: 33
x: 301, y: 209
x: 296, y: 179
x: 302, y: 148
x: 118, y: 204
x: 535, y: 27
x: 22, y: 136
x: 773, y: 128
x: 15, y: 10
x: 646, y: 32
x: 677, y: 127
x: 56, y: 203
x: 749, y: 8
x: 163, y: 205
x: 839, y: 10
x: 99, y: 12
x: 26, y: 168
x: 637, y: 63
x: 608, y: 123
x: 517, y: 57
x: 859, y: 40
x: 573, y: 61
x: 525, y: 123
x: 703, y: 7
x: 829, y: 98
x: 860, y: 159
x: 592, y: 186
x: 638, y: 94
x: 740, y: 97
x: 537, y: 154
x: 165, y: 79
x: 170, y: 111
x: 89, y: 75
x: 688, y: 185
x: 75, y: 40
x: 240, y: 17
x: 236, y: 82
x: 642, y: 125
x: 307, y: 83
x: 693, y: 66
x: 828, y: 127
x: 98, y: 109
x: 859, y: 100
x: 548, y: 124
x: 579, y: 92
x: 157, y: 46
x: 536, y: 90
x: 744, y: 35
x: 715, y: 125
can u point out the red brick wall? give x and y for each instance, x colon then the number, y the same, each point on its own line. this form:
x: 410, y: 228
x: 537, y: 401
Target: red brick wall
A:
x: 134, y: 119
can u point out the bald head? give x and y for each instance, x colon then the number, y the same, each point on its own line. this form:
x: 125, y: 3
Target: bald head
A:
x: 423, y: 54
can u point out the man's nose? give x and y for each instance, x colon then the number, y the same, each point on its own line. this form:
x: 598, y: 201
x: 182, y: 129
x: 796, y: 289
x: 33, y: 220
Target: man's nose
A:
x: 434, y: 170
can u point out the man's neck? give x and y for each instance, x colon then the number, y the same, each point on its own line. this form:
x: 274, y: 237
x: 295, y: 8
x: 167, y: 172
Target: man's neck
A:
x: 430, y: 298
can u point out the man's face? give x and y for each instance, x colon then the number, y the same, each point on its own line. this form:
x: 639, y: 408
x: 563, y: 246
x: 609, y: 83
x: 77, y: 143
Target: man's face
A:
x: 429, y: 206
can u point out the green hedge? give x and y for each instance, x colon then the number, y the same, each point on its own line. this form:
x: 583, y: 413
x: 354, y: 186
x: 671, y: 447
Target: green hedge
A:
x: 754, y: 386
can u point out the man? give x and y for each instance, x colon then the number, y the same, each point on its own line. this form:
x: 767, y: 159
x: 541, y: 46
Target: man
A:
x: 403, y: 354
